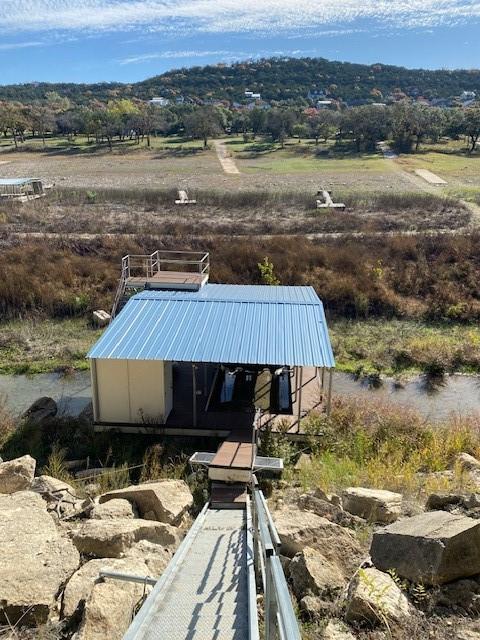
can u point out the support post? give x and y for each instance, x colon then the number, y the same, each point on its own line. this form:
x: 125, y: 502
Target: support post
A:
x: 194, y: 398
x: 329, y: 398
x: 299, y: 399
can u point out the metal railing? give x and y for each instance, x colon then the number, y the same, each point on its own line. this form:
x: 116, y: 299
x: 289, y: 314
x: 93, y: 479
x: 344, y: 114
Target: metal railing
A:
x: 148, y: 265
x: 136, y: 265
x: 280, y: 619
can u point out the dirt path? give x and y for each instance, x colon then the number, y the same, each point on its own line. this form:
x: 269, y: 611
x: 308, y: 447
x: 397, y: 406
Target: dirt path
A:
x: 227, y: 162
x: 88, y: 237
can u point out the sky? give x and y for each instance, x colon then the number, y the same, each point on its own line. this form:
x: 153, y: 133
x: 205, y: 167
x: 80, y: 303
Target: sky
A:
x: 129, y: 40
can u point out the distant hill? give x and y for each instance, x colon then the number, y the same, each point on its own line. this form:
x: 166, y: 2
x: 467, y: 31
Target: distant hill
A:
x: 279, y: 79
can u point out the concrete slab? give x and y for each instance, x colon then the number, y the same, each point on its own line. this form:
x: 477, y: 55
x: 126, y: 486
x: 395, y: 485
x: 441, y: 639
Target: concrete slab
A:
x: 430, y: 177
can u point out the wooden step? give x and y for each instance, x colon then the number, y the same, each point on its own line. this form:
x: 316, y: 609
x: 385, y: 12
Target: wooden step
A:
x: 228, y: 496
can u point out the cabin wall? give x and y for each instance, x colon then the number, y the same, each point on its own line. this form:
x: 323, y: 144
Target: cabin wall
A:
x: 131, y: 391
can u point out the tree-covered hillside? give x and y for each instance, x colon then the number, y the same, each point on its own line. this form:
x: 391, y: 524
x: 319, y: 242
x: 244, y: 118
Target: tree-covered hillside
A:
x: 276, y: 79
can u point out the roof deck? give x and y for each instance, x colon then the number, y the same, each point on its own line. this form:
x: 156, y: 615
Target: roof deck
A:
x: 179, y: 270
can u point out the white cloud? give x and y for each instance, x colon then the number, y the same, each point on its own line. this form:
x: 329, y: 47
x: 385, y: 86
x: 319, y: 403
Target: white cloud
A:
x: 6, y: 46
x: 166, y: 55
x: 228, y: 15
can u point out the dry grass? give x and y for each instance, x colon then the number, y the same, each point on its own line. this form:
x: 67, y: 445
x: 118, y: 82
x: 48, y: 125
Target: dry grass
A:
x: 410, y: 277
x: 128, y: 211
x: 378, y: 445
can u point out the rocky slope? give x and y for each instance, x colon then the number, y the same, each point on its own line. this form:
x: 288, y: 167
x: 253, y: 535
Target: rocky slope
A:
x: 365, y: 564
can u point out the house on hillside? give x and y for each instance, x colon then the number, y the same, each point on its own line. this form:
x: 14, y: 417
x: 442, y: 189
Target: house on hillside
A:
x: 159, y: 102
x: 184, y: 356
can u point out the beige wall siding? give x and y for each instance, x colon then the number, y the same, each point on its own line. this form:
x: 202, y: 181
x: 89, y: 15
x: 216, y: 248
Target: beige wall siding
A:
x: 146, y: 390
x: 112, y: 389
x: 129, y: 391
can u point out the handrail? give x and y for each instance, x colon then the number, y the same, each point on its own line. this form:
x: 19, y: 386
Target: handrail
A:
x: 280, y: 618
x: 153, y: 262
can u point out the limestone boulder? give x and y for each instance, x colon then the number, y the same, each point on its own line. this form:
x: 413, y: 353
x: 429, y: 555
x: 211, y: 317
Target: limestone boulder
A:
x: 466, y: 462
x: 113, y: 510
x: 443, y: 501
x: 299, y: 529
x: 17, y: 475
x: 374, y: 598
x: 109, y: 608
x: 154, y: 555
x: 166, y: 501
x: 60, y: 496
x: 337, y: 630
x: 47, y: 486
x: 81, y: 584
x: 112, y: 538
x: 327, y: 509
x: 35, y: 560
x: 312, y: 574
x: 434, y: 547
x: 375, y: 505
x: 314, y: 608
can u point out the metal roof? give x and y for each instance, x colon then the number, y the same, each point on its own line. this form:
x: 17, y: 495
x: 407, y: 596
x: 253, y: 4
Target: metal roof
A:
x: 231, y: 324
x: 16, y: 182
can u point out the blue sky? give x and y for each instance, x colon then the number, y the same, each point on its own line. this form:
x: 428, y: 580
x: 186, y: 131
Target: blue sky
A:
x: 128, y: 40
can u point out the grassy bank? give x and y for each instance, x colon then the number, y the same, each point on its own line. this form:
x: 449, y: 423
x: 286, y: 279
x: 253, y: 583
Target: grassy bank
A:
x: 40, y: 346
x: 404, y: 347
x: 363, y: 347
x: 372, y: 444
x: 363, y: 443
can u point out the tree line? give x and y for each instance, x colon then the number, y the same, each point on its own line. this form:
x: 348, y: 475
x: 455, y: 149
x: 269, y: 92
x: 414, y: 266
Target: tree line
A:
x: 406, y: 124
x: 285, y: 80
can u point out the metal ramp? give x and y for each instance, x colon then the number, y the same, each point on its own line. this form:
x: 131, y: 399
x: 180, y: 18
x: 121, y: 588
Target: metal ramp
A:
x: 208, y: 590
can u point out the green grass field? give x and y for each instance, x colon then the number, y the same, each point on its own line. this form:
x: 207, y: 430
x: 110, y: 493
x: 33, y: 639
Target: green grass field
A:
x: 394, y: 347
x: 39, y: 346
x: 365, y: 347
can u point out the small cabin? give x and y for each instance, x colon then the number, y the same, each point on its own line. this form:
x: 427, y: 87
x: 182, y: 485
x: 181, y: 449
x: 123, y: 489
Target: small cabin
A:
x: 201, y: 358
x: 21, y: 188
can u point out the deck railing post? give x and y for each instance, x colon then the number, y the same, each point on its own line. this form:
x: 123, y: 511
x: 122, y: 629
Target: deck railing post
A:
x: 269, y: 604
x: 194, y: 399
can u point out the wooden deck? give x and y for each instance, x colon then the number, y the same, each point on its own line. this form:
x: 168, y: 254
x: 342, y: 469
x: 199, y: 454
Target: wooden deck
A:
x: 167, y: 279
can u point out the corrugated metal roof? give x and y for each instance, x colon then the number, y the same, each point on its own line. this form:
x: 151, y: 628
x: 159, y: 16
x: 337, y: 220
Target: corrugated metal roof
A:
x: 234, y: 324
x: 15, y: 182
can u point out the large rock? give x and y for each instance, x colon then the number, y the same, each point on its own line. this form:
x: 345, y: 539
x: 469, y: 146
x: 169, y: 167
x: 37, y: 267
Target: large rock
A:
x: 433, y: 548
x: 373, y: 597
x: 155, y: 556
x: 112, y: 538
x: 113, y: 510
x: 336, y: 630
x: 466, y: 462
x: 81, y: 584
x: 47, y: 487
x: 299, y: 529
x: 329, y: 510
x: 110, y: 607
x: 312, y: 574
x: 165, y: 501
x: 35, y: 560
x: 375, y: 505
x: 17, y: 475
x: 41, y: 410
x: 60, y: 496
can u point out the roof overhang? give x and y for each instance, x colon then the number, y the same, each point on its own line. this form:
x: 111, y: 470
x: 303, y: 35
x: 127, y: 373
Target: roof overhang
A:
x: 220, y: 324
